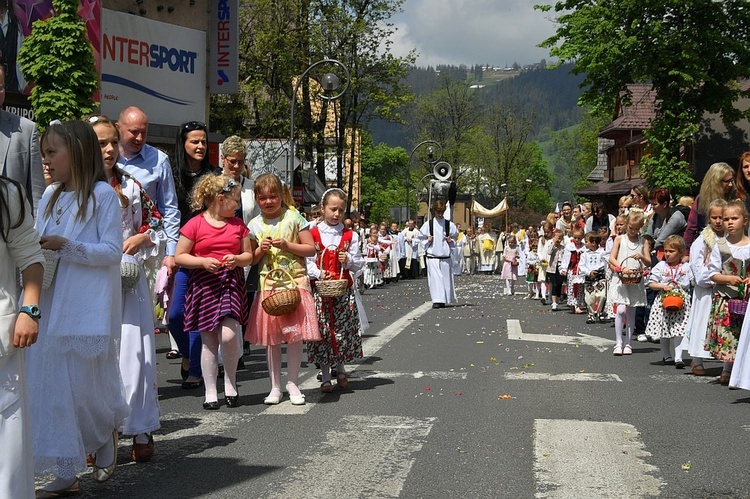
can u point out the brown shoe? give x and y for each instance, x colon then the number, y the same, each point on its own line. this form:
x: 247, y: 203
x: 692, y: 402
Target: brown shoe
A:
x: 142, y: 453
x: 724, y: 378
x: 71, y: 491
x: 698, y: 369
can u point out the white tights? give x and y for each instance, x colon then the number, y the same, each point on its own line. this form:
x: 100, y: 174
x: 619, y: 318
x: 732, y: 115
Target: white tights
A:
x: 625, y: 316
x: 226, y: 333
x: 510, y: 285
x: 293, y: 362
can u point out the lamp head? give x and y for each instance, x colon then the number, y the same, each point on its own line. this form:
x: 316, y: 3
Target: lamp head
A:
x: 331, y: 82
x: 430, y: 152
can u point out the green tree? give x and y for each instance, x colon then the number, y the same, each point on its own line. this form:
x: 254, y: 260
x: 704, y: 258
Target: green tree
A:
x: 575, y: 151
x: 693, y: 52
x: 57, y: 58
x: 384, y: 171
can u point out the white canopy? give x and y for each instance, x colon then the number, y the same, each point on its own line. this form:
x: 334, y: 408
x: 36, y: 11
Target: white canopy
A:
x: 498, y: 210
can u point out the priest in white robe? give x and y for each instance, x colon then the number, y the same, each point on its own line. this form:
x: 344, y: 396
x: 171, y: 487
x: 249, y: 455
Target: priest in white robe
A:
x: 439, y: 237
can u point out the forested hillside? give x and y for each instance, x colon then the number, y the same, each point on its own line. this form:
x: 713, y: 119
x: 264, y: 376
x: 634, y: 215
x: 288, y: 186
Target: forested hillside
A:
x: 550, y: 95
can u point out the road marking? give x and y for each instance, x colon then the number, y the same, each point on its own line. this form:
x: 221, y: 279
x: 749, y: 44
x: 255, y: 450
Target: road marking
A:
x: 372, y: 455
x: 527, y: 376
x: 445, y: 375
x: 680, y: 378
x: 371, y: 345
x: 515, y: 333
x: 591, y: 459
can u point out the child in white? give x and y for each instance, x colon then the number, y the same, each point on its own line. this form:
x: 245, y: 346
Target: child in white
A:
x: 510, y: 258
x: 670, y: 276
x: 592, y: 266
x: 628, y: 250
x: 373, y: 276
x: 700, y: 311
x: 532, y: 269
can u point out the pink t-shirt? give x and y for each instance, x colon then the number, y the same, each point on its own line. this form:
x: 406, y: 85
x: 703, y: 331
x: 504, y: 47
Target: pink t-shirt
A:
x: 210, y: 241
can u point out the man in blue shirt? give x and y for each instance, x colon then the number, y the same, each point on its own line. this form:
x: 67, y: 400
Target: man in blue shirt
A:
x: 152, y: 169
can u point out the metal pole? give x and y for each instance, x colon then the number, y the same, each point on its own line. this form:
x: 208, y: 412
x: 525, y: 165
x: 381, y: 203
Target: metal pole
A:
x: 290, y: 157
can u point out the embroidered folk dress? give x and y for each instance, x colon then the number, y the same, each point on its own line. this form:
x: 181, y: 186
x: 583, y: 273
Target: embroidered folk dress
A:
x: 338, y: 317
x: 664, y: 323
x: 723, y: 334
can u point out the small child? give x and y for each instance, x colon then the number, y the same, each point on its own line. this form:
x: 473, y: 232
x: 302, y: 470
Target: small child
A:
x: 543, y: 261
x: 700, y: 253
x: 728, y: 269
x: 570, y: 270
x: 592, y: 267
x: 554, y: 252
x: 627, y: 250
x: 532, y: 269
x: 620, y: 222
x: 373, y: 275
x: 215, y: 245
x: 511, y: 255
x: 670, y: 277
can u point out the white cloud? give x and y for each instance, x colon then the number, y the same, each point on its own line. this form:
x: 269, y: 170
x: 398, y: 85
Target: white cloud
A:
x: 497, y: 32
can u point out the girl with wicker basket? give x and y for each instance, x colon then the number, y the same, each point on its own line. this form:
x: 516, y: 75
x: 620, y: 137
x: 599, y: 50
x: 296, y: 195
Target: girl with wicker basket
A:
x: 727, y: 268
x: 620, y: 223
x: 630, y: 252
x: 331, y: 270
x: 280, y: 242
x: 216, y: 247
x: 670, y: 312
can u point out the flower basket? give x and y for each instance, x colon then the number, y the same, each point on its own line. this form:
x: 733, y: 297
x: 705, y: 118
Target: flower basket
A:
x: 282, y: 301
x: 331, y: 288
x: 631, y: 275
x: 737, y: 308
x: 130, y: 272
x: 673, y: 301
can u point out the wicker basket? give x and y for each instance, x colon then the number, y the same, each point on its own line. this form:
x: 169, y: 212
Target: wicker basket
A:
x: 283, y: 301
x: 737, y: 307
x: 331, y: 288
x: 631, y: 275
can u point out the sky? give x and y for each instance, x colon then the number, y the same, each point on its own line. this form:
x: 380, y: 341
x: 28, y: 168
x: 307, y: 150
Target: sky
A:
x: 495, y: 32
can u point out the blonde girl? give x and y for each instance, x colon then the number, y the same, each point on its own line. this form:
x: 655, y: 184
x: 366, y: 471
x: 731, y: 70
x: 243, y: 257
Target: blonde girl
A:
x: 624, y: 205
x: 73, y: 376
x: 626, y: 297
x: 619, y: 229
x: 511, y: 257
x: 279, y: 238
x: 337, y: 257
x: 727, y: 268
x: 216, y: 247
x: 670, y: 276
x: 700, y: 252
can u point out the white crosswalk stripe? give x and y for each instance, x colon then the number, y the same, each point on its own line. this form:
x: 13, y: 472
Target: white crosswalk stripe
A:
x: 527, y: 376
x: 380, y: 452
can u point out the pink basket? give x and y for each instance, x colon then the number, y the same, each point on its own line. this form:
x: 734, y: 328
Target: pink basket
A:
x: 737, y: 308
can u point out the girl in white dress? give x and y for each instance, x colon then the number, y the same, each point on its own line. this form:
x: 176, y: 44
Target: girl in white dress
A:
x: 511, y: 261
x: 143, y: 239
x: 373, y: 276
x: 73, y: 373
x: 625, y: 297
x: 667, y: 277
x: 700, y: 252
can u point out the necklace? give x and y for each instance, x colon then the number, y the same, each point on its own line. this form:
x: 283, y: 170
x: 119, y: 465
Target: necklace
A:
x: 60, y: 210
x: 632, y: 245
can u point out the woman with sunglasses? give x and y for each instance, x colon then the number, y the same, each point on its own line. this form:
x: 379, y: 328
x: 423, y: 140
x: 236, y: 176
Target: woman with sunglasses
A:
x: 189, y: 165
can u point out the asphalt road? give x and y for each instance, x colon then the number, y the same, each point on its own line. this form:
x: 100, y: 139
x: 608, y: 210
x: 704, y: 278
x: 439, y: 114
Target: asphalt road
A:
x: 494, y: 397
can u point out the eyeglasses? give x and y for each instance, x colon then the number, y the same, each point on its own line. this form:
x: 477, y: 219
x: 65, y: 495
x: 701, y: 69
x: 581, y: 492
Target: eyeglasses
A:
x: 194, y: 125
x: 728, y: 182
x: 230, y: 185
x: 235, y: 162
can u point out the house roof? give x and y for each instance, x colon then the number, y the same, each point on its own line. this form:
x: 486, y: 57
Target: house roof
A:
x: 617, y: 188
x: 638, y: 114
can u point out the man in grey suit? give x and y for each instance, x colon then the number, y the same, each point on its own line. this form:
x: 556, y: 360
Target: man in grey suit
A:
x: 19, y: 150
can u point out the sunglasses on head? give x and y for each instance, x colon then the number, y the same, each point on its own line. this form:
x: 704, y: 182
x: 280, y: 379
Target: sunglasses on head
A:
x: 194, y: 125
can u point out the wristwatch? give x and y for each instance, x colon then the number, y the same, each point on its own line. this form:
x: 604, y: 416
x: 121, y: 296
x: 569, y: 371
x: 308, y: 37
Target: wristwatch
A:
x: 32, y: 311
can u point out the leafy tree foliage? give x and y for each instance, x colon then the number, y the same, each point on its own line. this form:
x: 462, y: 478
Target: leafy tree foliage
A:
x: 57, y: 58
x: 693, y: 52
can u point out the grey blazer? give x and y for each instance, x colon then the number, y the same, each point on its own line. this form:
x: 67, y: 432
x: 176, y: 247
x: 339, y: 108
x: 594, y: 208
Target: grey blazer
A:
x: 19, y: 155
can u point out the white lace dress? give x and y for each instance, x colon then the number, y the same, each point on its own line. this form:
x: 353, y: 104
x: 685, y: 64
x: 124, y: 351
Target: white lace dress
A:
x: 75, y: 390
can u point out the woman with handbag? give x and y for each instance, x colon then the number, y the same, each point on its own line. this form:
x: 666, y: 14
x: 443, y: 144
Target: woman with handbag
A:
x: 19, y: 248
x: 73, y: 373
x: 143, y: 239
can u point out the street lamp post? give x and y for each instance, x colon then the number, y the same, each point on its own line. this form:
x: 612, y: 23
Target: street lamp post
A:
x: 330, y: 83
x: 432, y: 158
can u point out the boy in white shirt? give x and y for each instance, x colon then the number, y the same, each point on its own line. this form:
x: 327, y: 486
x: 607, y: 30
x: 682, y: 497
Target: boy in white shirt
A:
x: 592, y: 265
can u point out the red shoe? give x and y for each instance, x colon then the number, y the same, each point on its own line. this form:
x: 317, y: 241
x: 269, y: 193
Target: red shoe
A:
x: 142, y: 453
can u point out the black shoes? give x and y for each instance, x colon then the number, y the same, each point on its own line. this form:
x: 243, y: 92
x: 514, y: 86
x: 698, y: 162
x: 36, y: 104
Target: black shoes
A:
x: 192, y: 385
x: 438, y: 305
x: 232, y: 401
x: 211, y: 406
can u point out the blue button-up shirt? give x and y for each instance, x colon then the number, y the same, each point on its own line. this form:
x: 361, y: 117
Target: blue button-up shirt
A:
x: 152, y: 169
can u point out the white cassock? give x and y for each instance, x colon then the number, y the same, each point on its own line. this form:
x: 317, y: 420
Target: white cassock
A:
x: 438, y: 258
